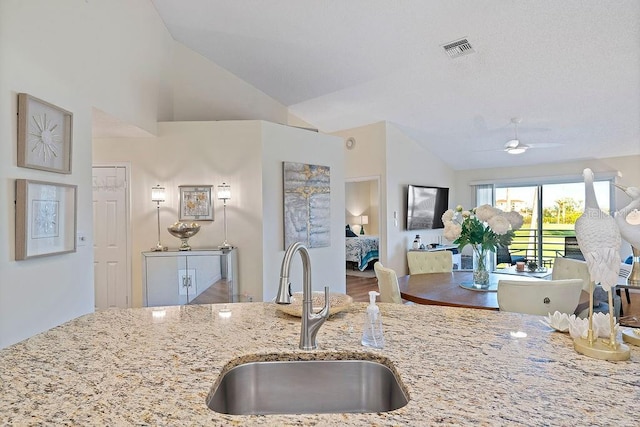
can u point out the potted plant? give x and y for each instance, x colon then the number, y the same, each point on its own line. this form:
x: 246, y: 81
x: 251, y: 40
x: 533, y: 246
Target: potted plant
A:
x: 532, y: 265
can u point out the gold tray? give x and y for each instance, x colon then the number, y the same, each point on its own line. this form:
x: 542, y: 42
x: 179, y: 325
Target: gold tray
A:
x: 632, y: 336
x: 337, y: 302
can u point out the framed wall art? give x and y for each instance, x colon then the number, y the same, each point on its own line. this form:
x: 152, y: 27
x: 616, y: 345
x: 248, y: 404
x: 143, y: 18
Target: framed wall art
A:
x: 44, y: 135
x: 195, y: 203
x: 45, y: 218
x: 307, y: 204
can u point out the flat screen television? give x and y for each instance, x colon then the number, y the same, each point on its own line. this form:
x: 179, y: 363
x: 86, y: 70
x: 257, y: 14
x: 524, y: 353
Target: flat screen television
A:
x: 425, y: 206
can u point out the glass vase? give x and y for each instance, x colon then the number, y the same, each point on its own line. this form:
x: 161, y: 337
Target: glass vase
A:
x: 480, y: 266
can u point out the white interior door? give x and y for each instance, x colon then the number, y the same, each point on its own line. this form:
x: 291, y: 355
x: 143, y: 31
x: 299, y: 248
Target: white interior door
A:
x: 110, y: 237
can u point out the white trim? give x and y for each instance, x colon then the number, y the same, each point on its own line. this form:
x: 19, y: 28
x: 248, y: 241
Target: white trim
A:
x: 363, y: 178
x: 554, y: 179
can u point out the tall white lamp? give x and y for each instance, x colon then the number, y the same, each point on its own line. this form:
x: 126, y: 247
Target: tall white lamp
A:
x: 157, y: 195
x: 224, y: 194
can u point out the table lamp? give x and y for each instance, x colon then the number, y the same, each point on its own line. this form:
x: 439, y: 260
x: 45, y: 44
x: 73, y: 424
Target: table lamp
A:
x: 224, y: 194
x: 158, y: 195
x: 364, y: 219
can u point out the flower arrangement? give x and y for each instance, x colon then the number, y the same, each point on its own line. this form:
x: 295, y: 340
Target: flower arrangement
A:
x: 485, y: 228
x: 484, y: 225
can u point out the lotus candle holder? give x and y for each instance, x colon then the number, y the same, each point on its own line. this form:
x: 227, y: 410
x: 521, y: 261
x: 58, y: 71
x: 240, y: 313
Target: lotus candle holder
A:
x: 184, y: 231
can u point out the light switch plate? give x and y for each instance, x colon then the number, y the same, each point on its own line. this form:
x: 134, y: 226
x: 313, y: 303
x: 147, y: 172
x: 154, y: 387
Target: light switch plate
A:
x: 82, y: 240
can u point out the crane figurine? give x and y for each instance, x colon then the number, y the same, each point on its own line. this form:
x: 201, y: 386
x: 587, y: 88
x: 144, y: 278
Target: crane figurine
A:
x: 599, y: 240
x: 628, y: 220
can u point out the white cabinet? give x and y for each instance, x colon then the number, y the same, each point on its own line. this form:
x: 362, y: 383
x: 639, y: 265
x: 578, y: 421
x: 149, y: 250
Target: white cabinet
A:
x: 189, y: 277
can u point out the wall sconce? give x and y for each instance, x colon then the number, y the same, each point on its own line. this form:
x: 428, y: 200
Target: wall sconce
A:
x: 364, y: 219
x: 158, y: 195
x: 224, y: 194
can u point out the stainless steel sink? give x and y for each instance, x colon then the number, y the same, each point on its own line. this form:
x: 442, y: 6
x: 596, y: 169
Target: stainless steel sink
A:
x: 307, y: 387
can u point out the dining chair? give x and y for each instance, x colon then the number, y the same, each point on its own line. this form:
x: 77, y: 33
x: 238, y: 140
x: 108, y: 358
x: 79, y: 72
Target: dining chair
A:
x: 505, y: 256
x: 387, y: 284
x: 625, y: 272
x: 570, y: 268
x: 539, y: 297
x: 430, y: 262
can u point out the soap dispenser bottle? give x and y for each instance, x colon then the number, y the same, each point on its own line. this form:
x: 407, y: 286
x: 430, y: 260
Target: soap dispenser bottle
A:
x: 372, y: 332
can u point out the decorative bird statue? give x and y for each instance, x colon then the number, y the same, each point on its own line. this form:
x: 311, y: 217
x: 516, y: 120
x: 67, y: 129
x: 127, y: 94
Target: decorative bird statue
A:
x: 628, y: 218
x: 599, y: 240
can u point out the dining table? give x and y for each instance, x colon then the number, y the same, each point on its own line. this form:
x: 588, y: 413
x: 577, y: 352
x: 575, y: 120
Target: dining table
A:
x: 454, y: 289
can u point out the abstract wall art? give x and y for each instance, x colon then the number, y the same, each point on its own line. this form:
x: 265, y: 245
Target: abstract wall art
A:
x: 307, y: 204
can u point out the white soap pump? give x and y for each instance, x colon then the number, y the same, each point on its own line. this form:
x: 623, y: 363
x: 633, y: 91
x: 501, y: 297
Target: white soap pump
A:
x: 372, y: 332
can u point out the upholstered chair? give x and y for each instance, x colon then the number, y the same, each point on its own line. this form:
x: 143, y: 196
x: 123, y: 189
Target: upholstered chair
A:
x: 539, y: 297
x: 569, y: 268
x: 430, y: 262
x: 387, y: 284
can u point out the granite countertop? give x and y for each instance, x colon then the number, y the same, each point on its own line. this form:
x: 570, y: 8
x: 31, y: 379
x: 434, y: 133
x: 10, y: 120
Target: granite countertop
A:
x: 459, y: 366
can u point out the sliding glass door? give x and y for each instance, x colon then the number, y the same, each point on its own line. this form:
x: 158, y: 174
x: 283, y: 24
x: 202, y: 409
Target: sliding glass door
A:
x: 550, y: 212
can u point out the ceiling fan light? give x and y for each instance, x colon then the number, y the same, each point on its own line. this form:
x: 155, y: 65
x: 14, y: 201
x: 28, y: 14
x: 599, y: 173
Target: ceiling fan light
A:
x: 516, y: 150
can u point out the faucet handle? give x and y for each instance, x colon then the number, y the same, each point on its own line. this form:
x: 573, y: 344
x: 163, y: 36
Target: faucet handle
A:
x: 325, y: 310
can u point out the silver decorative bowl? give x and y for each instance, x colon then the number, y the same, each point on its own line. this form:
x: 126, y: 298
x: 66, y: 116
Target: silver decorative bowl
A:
x: 183, y: 231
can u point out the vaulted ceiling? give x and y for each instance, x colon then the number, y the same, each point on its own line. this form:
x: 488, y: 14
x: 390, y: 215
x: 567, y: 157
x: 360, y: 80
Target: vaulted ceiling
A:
x: 569, y: 70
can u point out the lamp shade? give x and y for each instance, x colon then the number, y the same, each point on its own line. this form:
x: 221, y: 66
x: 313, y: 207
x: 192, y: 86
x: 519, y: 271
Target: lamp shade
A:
x: 157, y: 194
x: 224, y: 191
x: 364, y: 219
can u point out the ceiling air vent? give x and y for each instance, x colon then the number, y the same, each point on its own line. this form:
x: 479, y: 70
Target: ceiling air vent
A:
x: 458, y: 48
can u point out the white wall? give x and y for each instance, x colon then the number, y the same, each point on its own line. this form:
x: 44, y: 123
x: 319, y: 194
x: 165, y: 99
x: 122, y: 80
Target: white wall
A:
x: 202, y: 90
x: 367, y: 158
x: 408, y: 163
x: 289, y: 144
x: 76, y: 55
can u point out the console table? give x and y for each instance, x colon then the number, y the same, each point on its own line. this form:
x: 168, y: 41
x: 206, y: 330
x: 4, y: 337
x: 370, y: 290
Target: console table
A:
x: 189, y: 277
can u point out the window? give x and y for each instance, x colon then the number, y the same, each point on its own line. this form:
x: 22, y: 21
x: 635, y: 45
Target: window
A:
x: 550, y: 211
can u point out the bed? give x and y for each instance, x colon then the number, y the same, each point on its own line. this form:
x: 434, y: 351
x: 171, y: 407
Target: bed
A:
x: 361, y: 250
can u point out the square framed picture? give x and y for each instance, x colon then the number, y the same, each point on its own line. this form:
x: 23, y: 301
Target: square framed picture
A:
x: 45, y: 218
x: 44, y: 135
x: 195, y: 203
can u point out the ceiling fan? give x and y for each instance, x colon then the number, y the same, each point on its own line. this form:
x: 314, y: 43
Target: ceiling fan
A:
x: 514, y: 146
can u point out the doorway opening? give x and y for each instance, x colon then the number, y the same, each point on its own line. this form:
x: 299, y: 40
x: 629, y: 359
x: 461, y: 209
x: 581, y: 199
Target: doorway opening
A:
x: 362, y: 219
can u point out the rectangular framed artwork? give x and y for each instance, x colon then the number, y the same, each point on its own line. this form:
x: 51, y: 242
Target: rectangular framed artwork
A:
x: 196, y: 203
x: 45, y: 218
x: 44, y: 135
x: 307, y: 204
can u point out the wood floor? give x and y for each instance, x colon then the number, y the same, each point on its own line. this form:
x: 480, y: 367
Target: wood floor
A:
x: 216, y: 293
x: 358, y: 287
